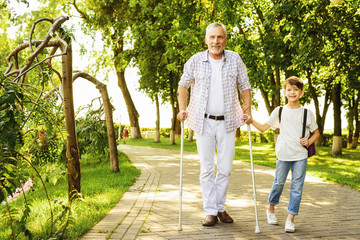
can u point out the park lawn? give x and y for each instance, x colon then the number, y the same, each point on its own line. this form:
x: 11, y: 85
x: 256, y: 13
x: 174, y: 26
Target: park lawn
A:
x: 344, y: 169
x: 101, y: 191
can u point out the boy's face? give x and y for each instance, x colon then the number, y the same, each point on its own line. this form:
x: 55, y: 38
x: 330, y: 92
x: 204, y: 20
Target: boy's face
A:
x: 293, y: 93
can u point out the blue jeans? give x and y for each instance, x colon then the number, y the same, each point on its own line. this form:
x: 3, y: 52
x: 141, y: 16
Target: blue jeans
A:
x: 298, y: 169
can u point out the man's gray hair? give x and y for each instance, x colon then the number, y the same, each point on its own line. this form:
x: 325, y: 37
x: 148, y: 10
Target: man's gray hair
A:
x: 215, y: 24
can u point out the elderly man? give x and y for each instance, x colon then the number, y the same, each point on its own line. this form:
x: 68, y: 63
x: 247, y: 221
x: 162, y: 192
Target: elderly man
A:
x: 214, y: 113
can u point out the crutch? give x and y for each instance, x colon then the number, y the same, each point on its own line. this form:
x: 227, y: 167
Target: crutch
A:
x: 257, y: 228
x: 181, y: 174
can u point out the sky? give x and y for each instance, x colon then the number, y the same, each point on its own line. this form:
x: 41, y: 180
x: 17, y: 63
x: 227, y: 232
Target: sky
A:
x: 84, y: 91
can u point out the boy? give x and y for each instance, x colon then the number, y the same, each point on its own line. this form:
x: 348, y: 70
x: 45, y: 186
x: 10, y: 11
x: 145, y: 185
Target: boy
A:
x: 290, y: 149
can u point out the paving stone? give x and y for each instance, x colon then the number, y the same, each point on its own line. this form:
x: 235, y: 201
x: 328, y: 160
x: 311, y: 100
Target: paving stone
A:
x: 150, y: 209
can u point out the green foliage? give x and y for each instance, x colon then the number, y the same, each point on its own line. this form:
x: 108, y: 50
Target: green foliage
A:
x: 315, y: 40
x: 267, y: 137
x: 22, y: 111
x: 11, y: 115
x: 16, y: 218
x: 45, y: 138
x: 101, y: 191
x: 165, y: 36
x: 11, y: 118
x: 47, y: 150
x: 92, y: 133
x: 164, y: 143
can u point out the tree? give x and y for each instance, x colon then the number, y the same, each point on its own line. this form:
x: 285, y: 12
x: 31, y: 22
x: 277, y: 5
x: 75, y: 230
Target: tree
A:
x: 257, y: 30
x: 114, y: 161
x: 310, y: 30
x: 62, y: 42
x: 345, y: 46
x: 96, y: 16
x: 166, y: 34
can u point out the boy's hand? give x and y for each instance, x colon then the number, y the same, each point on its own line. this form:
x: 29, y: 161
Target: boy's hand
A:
x: 304, y: 142
x: 182, y: 116
x: 247, y: 119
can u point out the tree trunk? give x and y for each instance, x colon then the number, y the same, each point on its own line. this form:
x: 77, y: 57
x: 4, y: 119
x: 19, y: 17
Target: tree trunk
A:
x: 119, y: 132
x: 320, y: 120
x: 173, y: 120
x: 276, y: 135
x: 277, y: 98
x: 319, y: 140
x: 114, y: 160
x: 177, y: 123
x: 172, y: 137
x: 157, y: 125
x: 337, y: 145
x: 108, y: 108
x: 337, y: 138
x: 72, y: 150
x: 133, y: 114
x: 357, y: 122
x: 350, y: 128
x: 354, y: 142
x: 191, y: 135
x: 238, y: 134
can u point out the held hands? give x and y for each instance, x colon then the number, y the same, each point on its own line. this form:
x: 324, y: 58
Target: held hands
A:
x: 182, y: 116
x: 247, y: 119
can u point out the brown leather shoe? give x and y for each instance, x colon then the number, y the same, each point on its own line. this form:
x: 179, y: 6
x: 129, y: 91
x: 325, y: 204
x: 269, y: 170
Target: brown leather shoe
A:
x: 210, y: 220
x: 225, y: 217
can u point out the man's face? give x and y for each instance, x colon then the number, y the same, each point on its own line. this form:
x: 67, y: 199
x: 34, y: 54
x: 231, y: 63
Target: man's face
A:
x: 216, y: 40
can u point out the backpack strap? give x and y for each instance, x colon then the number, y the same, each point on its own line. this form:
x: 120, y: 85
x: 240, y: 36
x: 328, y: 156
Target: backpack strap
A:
x: 280, y: 110
x: 304, y: 122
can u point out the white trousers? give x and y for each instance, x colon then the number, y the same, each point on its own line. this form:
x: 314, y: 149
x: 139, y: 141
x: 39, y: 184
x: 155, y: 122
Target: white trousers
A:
x: 214, y: 188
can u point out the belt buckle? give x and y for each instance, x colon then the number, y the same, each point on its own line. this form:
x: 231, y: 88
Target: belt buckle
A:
x: 216, y: 118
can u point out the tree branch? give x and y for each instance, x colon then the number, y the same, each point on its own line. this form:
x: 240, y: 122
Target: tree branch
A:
x: 83, y: 15
x: 56, y: 24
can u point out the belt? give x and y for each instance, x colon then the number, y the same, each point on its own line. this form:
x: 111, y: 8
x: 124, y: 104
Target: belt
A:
x: 222, y: 117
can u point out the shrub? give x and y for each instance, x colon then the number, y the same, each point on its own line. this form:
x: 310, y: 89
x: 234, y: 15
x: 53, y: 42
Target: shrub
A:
x: 92, y: 133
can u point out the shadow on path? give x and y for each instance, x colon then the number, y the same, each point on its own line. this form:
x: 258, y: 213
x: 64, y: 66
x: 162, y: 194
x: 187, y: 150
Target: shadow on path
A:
x: 150, y: 209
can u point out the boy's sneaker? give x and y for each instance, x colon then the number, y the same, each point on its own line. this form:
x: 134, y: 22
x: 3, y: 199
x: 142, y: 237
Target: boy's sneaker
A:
x: 271, y: 218
x: 289, y: 226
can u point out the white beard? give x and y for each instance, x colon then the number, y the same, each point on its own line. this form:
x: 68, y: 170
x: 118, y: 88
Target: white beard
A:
x: 216, y: 52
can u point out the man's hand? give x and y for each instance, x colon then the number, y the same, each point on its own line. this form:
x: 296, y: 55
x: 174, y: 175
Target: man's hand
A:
x: 182, y: 116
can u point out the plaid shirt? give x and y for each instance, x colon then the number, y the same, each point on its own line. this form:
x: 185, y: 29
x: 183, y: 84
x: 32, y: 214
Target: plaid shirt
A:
x: 197, y: 73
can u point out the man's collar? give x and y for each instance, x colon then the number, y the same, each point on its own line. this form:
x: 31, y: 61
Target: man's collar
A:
x: 207, y: 55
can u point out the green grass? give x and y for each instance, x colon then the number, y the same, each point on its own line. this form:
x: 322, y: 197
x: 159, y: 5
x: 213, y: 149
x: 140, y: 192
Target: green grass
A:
x: 101, y: 190
x: 344, y: 169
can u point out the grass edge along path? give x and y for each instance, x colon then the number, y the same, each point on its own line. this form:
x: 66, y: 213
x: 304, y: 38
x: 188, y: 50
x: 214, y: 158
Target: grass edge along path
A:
x: 344, y: 169
x: 101, y: 190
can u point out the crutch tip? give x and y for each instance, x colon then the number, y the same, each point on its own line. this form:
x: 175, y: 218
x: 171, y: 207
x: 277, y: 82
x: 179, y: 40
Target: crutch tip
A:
x: 180, y: 228
x: 257, y: 229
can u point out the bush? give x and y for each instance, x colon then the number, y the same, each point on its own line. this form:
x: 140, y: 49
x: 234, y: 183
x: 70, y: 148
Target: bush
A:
x: 259, y: 137
x: 92, y: 133
x: 328, y: 140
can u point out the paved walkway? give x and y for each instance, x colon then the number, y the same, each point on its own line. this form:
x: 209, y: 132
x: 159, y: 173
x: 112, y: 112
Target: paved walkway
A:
x: 149, y: 210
